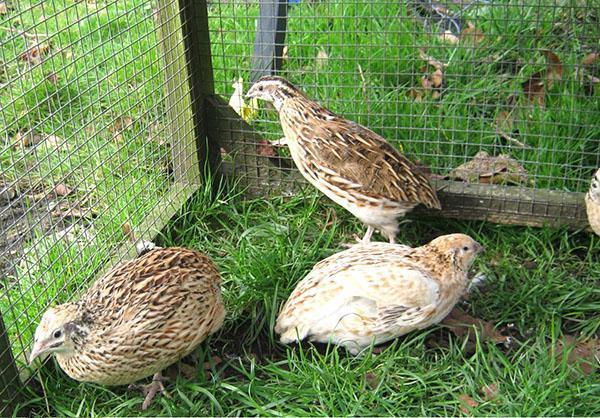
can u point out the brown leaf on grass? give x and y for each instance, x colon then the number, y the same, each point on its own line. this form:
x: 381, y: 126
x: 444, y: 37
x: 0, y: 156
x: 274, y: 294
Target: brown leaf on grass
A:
x: 372, y: 380
x: 4, y: 8
x: 52, y: 78
x: 266, y: 149
x: 504, y: 128
x: 464, y: 325
x: 582, y: 354
x: 590, y: 59
x: 534, y: 89
x: 321, y: 60
x: 128, y: 232
x: 119, y: 125
x: 62, y: 190
x: 214, y: 361
x: 486, y: 169
x: 435, y: 63
x: 467, y: 404
x: 554, y: 68
x: 26, y: 139
x: 65, y: 211
x: 36, y: 53
x: 490, y: 392
x: 536, y: 86
x: 448, y: 37
x: 415, y: 94
x: 471, y: 35
x: 285, y: 53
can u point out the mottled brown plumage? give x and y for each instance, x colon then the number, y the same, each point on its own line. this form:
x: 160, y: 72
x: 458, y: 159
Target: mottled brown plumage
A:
x: 349, y: 163
x: 136, y: 320
x: 375, y: 292
x: 592, y: 203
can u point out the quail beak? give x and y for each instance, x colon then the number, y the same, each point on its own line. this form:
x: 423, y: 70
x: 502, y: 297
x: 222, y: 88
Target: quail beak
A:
x: 480, y: 248
x: 38, y: 350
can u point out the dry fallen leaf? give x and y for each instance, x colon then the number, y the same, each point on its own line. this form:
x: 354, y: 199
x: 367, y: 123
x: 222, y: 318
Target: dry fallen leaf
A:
x: 372, y: 380
x: 74, y: 212
x: 534, y: 89
x: 490, y: 392
x: 3, y: 8
x: 462, y: 324
x: 554, y: 68
x: 467, y: 403
x: 285, y: 53
x: 128, y: 232
x: 26, y: 139
x: 435, y: 63
x: 214, y: 360
x: 35, y: 54
x: 504, y: 128
x: 62, y: 190
x: 266, y: 149
x: 590, y: 59
x: 119, y: 125
x: 583, y: 354
x: 52, y: 78
x: 486, y: 169
x: 321, y: 59
x: 471, y: 35
x: 247, y: 111
x: 448, y: 37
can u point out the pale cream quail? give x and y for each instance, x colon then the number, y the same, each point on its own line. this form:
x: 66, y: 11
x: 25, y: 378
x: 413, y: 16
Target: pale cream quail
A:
x: 136, y: 320
x: 374, y: 292
x: 592, y: 203
x: 350, y: 164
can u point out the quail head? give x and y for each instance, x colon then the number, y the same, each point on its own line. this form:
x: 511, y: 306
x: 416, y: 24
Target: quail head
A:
x: 592, y: 203
x: 375, y: 292
x: 350, y: 164
x: 136, y: 320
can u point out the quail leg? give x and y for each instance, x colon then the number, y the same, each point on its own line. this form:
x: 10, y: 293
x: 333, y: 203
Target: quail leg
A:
x: 150, y: 390
x: 368, y: 235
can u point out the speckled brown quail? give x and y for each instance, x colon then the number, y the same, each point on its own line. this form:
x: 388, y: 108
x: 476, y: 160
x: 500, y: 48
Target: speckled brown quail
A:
x: 374, y: 292
x: 592, y: 203
x: 136, y: 320
x: 350, y: 164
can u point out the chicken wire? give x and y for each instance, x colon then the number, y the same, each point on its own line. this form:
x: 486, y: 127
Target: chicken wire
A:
x: 89, y: 125
x: 442, y: 81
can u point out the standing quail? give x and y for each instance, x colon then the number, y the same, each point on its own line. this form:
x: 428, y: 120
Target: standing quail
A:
x: 375, y: 292
x: 136, y: 320
x: 350, y: 164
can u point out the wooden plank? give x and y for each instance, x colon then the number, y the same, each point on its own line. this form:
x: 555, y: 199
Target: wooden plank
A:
x: 270, y: 38
x: 10, y: 383
x: 470, y: 201
x: 194, y: 15
x: 178, y: 99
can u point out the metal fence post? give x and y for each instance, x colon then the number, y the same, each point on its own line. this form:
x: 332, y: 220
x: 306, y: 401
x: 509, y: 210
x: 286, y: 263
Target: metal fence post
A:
x: 270, y: 38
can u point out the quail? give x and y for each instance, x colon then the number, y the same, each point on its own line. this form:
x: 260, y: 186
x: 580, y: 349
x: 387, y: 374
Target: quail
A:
x: 375, y: 292
x: 350, y: 164
x: 136, y: 320
x: 592, y: 203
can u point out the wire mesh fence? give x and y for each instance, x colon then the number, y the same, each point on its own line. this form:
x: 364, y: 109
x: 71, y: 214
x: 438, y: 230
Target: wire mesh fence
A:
x: 96, y: 112
x: 484, y: 93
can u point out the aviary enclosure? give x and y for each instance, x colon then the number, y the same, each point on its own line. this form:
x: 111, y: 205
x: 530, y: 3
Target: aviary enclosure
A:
x: 114, y: 112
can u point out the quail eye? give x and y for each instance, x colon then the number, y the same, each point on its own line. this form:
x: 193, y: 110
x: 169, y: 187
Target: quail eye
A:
x: 465, y: 248
x: 260, y: 88
x: 57, y: 334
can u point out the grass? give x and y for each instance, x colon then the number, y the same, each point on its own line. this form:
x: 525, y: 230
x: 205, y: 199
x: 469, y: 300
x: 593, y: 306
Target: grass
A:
x: 108, y: 72
x: 264, y: 248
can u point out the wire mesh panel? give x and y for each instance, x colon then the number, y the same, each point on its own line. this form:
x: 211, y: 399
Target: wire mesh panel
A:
x: 498, y: 101
x: 97, y: 124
